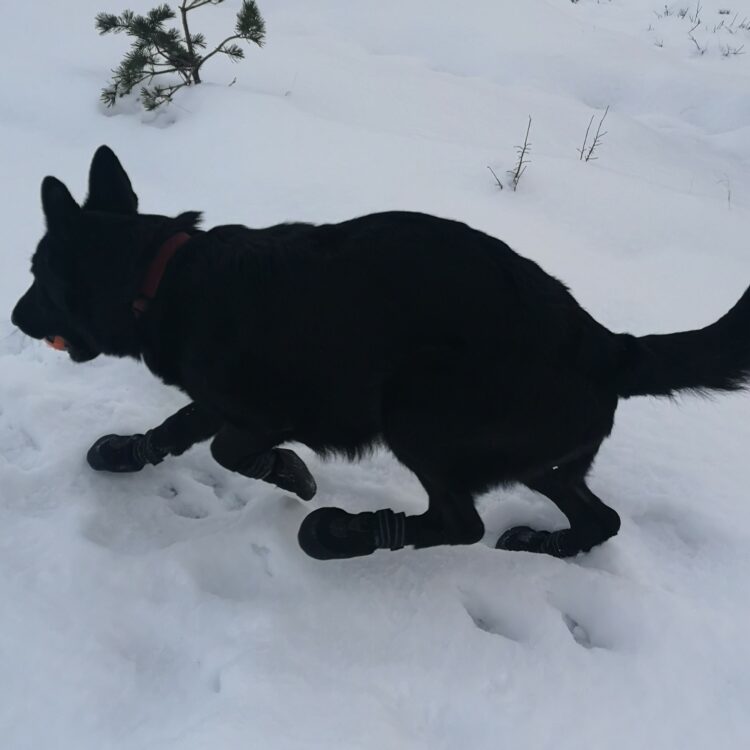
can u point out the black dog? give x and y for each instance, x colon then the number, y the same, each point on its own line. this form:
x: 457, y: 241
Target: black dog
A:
x: 470, y: 363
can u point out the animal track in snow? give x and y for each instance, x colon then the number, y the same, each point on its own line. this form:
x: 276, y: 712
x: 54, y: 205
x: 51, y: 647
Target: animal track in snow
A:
x: 490, y: 619
x: 193, y: 502
x: 579, y: 633
x: 17, y: 446
x: 596, y: 614
x: 168, y: 491
x: 181, y: 504
x: 186, y: 509
x: 229, y: 500
x: 263, y: 554
x: 207, y: 479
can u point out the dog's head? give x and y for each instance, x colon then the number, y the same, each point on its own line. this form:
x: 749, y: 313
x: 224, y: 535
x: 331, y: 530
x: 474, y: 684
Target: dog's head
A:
x: 79, y: 264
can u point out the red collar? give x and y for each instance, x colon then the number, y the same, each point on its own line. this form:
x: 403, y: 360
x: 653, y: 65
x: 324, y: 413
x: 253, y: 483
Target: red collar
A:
x: 156, y: 270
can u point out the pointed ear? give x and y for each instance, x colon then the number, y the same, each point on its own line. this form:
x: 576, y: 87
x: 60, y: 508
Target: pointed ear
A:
x: 60, y: 209
x: 109, y: 185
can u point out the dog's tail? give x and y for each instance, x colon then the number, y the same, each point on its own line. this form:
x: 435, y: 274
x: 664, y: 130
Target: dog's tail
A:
x: 714, y: 358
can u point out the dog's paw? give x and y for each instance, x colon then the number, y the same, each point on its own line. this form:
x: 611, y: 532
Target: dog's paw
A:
x: 524, y: 539
x: 116, y: 453
x: 290, y: 473
x: 332, y: 533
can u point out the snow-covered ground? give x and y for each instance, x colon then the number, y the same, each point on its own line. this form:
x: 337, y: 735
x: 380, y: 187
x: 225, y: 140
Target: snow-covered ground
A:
x: 173, y: 608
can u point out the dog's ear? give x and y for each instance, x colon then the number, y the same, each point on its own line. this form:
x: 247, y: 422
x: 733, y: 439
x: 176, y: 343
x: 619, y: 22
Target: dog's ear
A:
x: 109, y: 185
x: 60, y: 209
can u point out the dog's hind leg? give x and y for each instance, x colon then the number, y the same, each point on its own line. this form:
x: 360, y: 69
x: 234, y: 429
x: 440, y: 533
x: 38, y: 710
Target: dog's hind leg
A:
x: 332, y: 533
x: 420, y: 434
x: 255, y: 455
x: 120, y: 453
x: 451, y: 518
x: 591, y: 521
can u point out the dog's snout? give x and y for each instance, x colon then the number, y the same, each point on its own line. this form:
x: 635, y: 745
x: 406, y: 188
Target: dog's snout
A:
x: 26, y: 316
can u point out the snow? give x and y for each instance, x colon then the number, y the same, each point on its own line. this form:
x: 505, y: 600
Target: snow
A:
x: 173, y: 608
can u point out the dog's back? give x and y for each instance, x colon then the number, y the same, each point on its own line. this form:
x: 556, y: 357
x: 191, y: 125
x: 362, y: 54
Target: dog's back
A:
x: 322, y: 321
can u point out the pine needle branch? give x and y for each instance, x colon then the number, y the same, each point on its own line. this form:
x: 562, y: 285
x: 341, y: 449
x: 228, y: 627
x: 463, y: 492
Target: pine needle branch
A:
x: 158, y: 95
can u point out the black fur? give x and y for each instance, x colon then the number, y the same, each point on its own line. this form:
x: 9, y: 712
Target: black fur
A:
x: 473, y: 365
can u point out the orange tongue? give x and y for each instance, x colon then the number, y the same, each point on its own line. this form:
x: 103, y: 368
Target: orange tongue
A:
x: 57, y: 342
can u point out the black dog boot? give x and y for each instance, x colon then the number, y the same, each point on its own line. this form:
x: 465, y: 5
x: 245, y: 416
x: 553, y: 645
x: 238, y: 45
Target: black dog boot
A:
x: 332, y: 533
x: 290, y: 473
x: 123, y: 453
x: 282, y: 467
x: 525, y: 539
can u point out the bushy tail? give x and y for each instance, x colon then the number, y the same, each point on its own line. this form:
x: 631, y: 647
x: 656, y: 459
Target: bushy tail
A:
x: 714, y: 358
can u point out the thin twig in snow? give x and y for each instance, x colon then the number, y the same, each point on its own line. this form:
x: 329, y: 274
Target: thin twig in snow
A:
x: 597, y: 138
x: 582, y: 150
x: 497, y: 179
x: 521, y: 164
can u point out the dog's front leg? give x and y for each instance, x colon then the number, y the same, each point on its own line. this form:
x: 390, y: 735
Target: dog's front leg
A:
x: 255, y: 455
x: 191, y: 424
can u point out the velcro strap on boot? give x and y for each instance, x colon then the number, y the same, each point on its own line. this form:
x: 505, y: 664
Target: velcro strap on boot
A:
x: 145, y: 451
x: 390, y: 529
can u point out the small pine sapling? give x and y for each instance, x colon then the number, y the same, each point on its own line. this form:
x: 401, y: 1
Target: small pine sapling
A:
x: 517, y: 172
x: 157, y: 50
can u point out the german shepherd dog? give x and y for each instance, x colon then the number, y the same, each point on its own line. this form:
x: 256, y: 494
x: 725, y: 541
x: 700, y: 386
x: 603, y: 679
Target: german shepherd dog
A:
x: 470, y: 363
